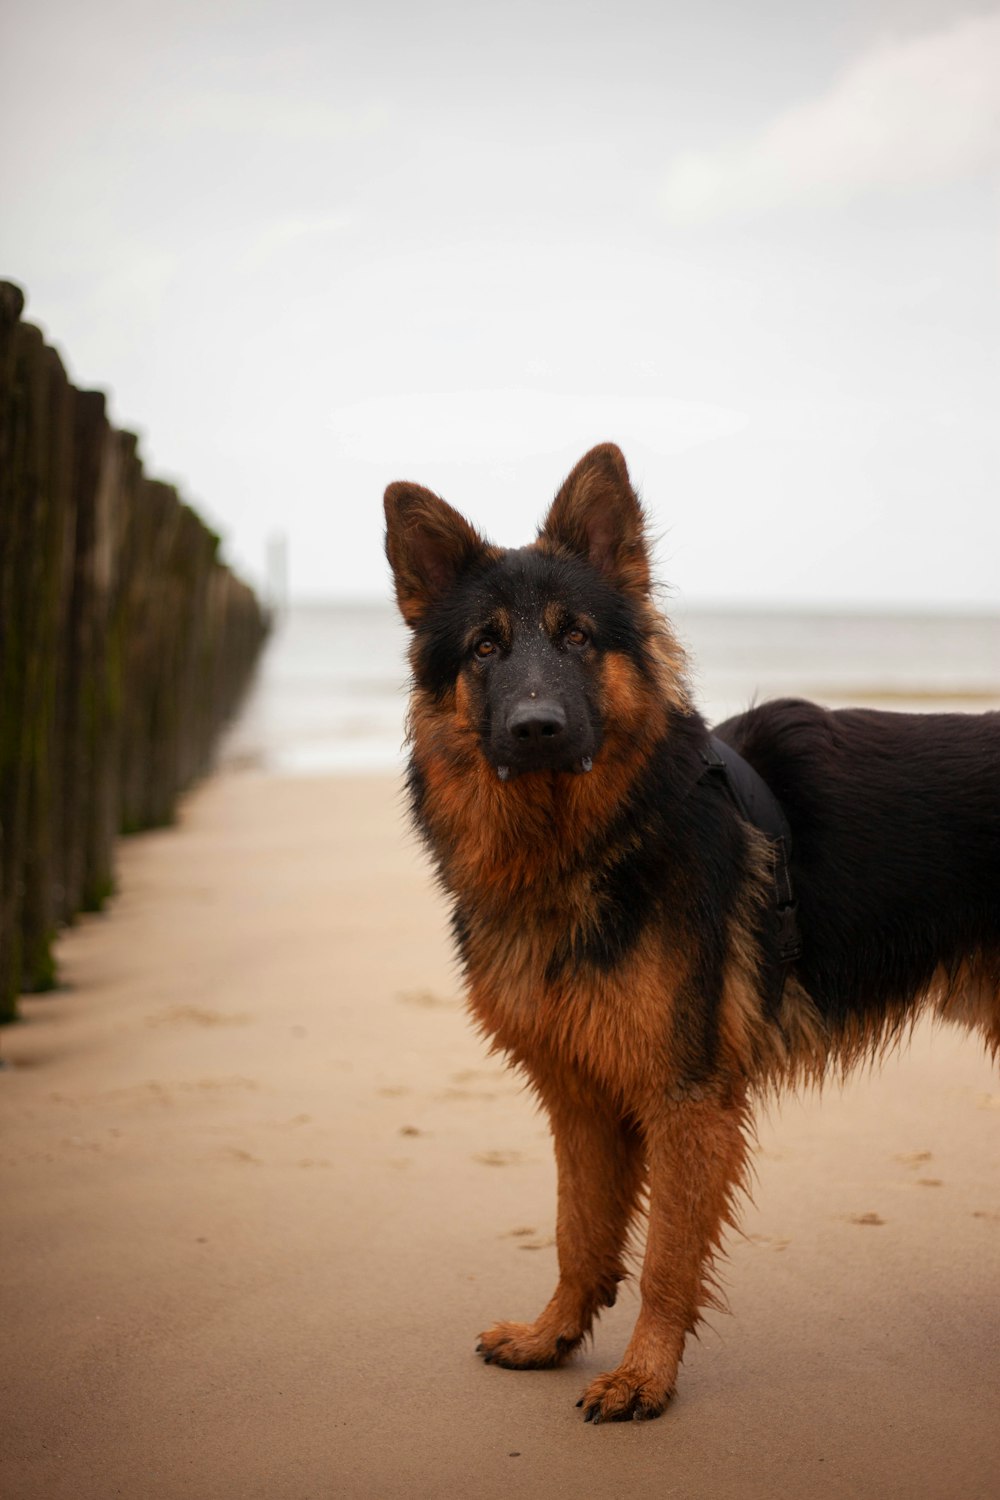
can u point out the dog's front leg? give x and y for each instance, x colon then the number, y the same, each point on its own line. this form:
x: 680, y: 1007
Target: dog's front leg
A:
x: 600, y: 1170
x: 696, y: 1153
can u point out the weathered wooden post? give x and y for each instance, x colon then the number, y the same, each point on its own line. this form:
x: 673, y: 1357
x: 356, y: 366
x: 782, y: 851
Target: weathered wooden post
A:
x: 125, y: 644
x: 12, y: 666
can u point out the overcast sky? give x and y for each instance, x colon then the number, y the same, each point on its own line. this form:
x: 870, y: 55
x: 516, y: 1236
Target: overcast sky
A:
x: 310, y: 247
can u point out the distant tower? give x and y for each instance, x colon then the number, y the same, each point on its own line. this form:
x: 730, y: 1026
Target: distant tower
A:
x: 277, y: 574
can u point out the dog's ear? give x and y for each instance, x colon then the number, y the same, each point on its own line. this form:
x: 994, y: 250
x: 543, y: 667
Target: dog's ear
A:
x: 428, y: 544
x: 597, y: 515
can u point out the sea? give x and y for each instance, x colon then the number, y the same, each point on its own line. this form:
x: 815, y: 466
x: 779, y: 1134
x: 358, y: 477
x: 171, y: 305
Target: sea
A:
x: 329, y: 696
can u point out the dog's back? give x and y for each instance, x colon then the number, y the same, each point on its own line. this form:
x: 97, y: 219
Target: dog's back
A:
x: 895, y: 822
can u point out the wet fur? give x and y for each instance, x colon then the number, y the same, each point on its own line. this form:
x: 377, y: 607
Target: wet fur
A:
x: 614, y: 927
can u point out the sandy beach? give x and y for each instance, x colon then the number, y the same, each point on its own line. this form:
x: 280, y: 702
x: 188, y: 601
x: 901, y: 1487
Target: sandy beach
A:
x: 262, y: 1187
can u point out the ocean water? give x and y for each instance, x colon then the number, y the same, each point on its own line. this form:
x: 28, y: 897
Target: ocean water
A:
x: 330, y: 694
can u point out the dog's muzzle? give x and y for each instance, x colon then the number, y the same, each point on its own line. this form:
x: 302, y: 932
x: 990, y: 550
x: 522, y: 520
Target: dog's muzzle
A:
x: 538, y: 737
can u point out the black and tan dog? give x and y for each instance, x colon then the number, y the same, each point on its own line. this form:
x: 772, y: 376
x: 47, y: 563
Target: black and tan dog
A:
x: 627, y: 923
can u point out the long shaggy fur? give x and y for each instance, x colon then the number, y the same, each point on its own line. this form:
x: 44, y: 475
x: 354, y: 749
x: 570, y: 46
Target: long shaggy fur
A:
x: 614, y: 912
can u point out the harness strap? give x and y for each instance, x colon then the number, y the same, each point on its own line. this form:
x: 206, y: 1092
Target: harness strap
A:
x: 759, y: 806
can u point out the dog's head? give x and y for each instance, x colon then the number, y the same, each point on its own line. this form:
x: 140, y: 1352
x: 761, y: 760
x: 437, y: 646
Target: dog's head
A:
x: 527, y: 650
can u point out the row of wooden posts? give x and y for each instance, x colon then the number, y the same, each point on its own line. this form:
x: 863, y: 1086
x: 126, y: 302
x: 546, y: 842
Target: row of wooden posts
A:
x: 125, y: 645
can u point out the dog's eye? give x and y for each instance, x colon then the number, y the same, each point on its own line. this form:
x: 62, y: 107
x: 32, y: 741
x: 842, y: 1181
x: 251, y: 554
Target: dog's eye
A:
x: 576, y: 637
x: 485, y: 647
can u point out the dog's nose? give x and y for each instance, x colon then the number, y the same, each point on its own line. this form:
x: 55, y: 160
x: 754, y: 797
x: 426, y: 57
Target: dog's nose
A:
x: 536, y: 721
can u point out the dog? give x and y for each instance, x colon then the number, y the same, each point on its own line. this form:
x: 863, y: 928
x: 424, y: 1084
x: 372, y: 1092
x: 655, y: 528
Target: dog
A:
x: 658, y: 925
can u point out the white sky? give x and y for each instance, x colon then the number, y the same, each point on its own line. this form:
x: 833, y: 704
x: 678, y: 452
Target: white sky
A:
x: 311, y: 247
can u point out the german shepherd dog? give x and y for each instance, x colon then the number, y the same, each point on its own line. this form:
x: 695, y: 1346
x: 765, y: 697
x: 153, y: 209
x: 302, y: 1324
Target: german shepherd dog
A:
x: 623, y: 918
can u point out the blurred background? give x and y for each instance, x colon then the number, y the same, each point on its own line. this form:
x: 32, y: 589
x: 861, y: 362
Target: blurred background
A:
x: 309, y: 248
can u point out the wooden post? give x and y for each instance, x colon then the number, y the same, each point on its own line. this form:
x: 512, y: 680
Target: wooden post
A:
x: 125, y: 645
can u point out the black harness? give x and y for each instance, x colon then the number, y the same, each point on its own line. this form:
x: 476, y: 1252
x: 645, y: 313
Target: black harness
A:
x: 756, y: 802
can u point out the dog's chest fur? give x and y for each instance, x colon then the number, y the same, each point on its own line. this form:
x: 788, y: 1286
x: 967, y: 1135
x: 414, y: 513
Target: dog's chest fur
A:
x: 611, y: 1026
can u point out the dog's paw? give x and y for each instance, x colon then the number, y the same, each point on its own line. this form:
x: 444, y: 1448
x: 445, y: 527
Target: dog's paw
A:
x: 625, y: 1396
x: 524, y: 1346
